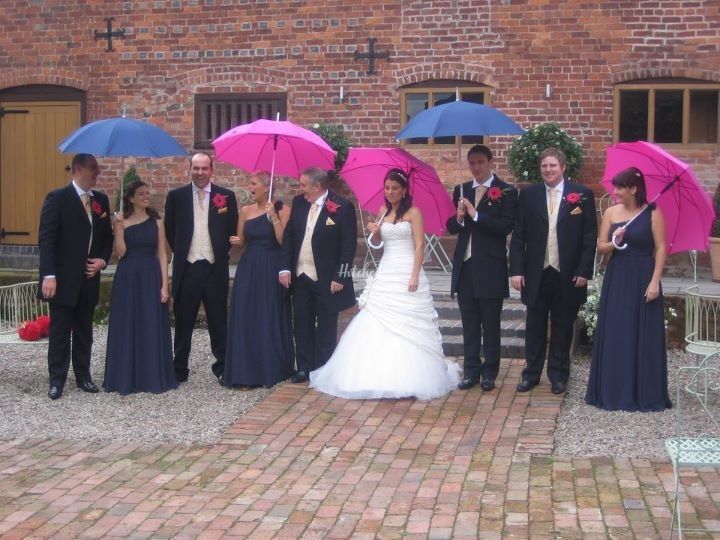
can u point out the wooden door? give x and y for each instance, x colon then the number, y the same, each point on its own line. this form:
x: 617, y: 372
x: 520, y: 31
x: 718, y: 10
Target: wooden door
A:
x: 30, y: 163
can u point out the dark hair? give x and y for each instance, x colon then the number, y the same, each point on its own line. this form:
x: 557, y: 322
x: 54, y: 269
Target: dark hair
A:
x: 480, y: 149
x: 317, y: 176
x: 402, y: 178
x: 556, y: 153
x: 130, y: 190
x: 629, y: 178
x: 202, y: 154
x: 81, y: 160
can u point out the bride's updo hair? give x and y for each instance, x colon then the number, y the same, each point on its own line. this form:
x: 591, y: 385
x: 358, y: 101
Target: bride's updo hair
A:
x: 402, y: 178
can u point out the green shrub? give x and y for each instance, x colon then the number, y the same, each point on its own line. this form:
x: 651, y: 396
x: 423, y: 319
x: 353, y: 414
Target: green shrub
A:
x: 130, y: 175
x: 335, y: 136
x: 524, y: 154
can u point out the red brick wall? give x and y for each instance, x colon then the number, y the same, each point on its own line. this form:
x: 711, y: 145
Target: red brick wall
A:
x: 177, y: 48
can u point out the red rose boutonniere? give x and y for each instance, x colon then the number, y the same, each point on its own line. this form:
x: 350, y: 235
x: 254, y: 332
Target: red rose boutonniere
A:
x: 574, y: 198
x: 97, y: 209
x: 494, y: 194
x: 220, y: 202
x: 331, y: 206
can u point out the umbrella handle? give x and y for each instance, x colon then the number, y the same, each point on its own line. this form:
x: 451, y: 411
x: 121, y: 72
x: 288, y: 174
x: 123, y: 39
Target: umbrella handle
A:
x: 624, y: 246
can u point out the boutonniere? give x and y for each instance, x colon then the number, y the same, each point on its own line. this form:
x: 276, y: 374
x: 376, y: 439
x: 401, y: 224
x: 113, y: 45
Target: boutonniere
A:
x: 220, y: 202
x: 98, y: 209
x: 494, y: 194
x: 331, y: 206
x: 574, y: 198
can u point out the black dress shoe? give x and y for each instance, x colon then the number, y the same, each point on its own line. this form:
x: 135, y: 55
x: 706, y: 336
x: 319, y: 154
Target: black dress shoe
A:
x: 181, y: 378
x: 299, y: 377
x: 88, y: 386
x: 55, y: 392
x: 526, y: 386
x: 468, y: 382
x: 557, y: 387
x: 487, y: 385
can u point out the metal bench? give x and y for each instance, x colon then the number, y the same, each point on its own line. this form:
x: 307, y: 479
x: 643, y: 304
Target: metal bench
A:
x: 19, y: 303
x: 695, y: 445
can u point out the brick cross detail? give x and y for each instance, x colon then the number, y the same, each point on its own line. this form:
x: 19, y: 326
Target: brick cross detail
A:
x: 109, y: 34
x: 371, y: 55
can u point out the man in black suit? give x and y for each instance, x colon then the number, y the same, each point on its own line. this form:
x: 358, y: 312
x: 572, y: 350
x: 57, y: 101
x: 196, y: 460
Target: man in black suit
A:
x: 485, y: 216
x: 75, y: 241
x: 551, y: 261
x: 318, y: 251
x: 200, y: 218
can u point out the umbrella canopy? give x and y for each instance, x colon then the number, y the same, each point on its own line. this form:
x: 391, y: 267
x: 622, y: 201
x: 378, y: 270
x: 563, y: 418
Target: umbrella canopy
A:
x: 672, y: 184
x: 274, y: 146
x: 459, y: 118
x: 121, y: 137
x: 365, y: 170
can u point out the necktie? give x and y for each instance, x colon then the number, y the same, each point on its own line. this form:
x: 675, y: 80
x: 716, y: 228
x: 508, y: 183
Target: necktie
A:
x: 85, y: 198
x: 551, y: 200
x: 312, y: 216
x: 479, y: 193
x: 201, y: 198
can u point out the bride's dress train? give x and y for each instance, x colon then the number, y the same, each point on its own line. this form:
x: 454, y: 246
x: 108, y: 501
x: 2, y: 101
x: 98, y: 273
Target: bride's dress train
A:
x: 393, y: 347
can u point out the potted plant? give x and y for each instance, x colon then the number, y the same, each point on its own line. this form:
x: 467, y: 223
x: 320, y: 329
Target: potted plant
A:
x: 524, y: 153
x: 715, y: 238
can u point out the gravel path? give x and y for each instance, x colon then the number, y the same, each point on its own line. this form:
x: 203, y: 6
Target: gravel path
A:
x: 199, y: 411
x: 583, y: 430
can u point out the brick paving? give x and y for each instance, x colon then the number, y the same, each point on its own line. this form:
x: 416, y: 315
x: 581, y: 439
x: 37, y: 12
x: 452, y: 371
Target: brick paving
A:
x: 302, y: 464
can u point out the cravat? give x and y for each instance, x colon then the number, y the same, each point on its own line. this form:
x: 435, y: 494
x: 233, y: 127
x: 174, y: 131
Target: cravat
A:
x: 551, y: 200
x: 201, y: 198
x: 479, y: 193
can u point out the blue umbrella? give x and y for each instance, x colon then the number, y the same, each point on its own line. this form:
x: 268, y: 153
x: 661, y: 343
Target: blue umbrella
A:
x: 121, y: 137
x: 459, y: 118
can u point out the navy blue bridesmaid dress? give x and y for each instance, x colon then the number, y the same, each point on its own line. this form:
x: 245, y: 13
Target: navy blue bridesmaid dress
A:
x: 259, y: 348
x: 629, y: 360
x: 139, y: 349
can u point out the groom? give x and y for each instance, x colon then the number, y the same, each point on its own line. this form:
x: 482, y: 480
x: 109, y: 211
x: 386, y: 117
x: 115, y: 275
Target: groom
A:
x: 485, y: 217
x: 317, y: 254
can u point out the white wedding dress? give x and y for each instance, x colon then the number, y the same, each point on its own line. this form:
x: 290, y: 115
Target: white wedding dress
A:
x: 393, y: 347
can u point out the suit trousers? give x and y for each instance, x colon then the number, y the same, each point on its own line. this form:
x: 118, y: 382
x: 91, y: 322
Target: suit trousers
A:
x: 71, y: 324
x: 206, y: 283
x: 562, y: 318
x: 481, y: 328
x: 315, y: 326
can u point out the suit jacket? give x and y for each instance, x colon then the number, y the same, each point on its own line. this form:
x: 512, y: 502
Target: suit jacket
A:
x: 179, y: 226
x: 576, y: 237
x: 64, y: 235
x: 333, y: 246
x: 496, y: 220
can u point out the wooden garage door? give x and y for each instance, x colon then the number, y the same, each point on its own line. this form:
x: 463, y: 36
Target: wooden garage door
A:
x: 30, y: 163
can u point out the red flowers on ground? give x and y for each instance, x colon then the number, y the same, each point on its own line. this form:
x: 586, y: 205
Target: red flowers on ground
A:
x: 34, y: 330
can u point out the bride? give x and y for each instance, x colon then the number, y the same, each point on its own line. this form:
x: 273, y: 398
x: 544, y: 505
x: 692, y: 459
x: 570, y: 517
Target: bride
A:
x: 393, y: 347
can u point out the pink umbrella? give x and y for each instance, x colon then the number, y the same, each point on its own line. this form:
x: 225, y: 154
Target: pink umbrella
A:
x: 365, y: 170
x: 274, y: 146
x: 670, y: 183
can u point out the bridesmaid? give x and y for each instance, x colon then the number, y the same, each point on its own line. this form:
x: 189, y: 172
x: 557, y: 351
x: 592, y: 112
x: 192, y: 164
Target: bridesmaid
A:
x: 629, y: 360
x: 259, y: 347
x: 139, y: 351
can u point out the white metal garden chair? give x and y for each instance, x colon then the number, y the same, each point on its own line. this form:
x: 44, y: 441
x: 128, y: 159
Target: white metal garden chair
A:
x: 698, y: 388
x: 702, y: 322
x: 19, y: 303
